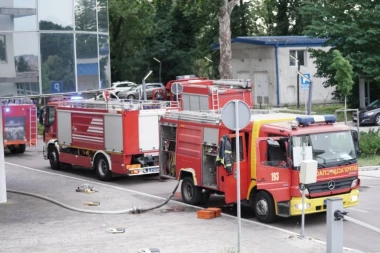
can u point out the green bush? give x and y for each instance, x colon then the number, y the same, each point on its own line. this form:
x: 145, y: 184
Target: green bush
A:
x: 370, y: 143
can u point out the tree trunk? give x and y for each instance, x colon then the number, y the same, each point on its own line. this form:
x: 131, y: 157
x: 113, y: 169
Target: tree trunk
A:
x: 225, y: 65
x: 345, y: 110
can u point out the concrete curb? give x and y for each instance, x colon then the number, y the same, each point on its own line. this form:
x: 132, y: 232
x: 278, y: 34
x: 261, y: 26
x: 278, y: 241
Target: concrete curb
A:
x: 369, y: 168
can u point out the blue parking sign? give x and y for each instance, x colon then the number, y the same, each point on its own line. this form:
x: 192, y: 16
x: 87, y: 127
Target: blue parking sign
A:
x: 56, y: 87
x: 305, y: 83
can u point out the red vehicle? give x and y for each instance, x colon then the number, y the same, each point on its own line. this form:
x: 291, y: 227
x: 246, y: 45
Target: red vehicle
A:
x: 112, y: 137
x: 20, y: 127
x: 200, y: 94
x: 196, y: 147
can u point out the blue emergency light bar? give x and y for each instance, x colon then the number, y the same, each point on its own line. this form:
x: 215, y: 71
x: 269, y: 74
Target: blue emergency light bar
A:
x: 307, y: 119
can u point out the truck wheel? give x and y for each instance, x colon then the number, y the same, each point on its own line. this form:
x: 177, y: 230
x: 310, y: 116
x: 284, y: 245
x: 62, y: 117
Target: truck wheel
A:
x: 12, y: 148
x: 264, y: 207
x: 191, y: 194
x: 102, y: 168
x: 21, y: 148
x: 54, y: 158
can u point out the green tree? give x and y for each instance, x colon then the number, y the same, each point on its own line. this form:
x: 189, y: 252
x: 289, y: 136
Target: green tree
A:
x: 343, y: 77
x: 351, y: 27
x: 22, y: 65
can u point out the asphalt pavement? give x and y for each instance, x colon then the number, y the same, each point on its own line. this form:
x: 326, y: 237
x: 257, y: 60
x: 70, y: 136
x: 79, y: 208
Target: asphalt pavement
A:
x: 26, y: 169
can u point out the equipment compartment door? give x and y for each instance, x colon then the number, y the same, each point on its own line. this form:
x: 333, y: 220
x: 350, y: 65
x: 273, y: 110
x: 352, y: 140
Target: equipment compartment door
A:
x: 273, y: 172
x: 230, y: 178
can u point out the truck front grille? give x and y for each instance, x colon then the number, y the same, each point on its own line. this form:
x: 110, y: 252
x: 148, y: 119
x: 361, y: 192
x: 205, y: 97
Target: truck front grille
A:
x: 330, y: 185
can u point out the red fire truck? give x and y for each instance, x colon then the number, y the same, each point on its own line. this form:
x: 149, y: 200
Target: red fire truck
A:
x: 110, y: 136
x: 200, y: 94
x: 195, y: 147
x: 19, y: 126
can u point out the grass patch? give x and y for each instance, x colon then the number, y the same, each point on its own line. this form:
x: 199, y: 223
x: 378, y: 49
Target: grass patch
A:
x: 369, y: 161
x: 321, y: 109
x: 40, y: 129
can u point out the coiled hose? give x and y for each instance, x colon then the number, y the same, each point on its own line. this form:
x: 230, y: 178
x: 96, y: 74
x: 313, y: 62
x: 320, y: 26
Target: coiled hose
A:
x: 133, y: 210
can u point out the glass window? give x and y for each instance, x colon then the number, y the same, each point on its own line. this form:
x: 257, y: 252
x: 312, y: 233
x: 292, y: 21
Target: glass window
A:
x: 233, y: 148
x: 57, y: 60
x: 298, y: 54
x: 85, y: 15
x: 51, y: 115
x: 55, y: 15
x: 25, y: 15
x: 104, y: 62
x: 102, y: 16
x: 3, y: 55
x: 87, y: 62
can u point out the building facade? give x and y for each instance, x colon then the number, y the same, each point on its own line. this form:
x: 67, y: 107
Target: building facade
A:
x: 268, y: 62
x: 53, y: 46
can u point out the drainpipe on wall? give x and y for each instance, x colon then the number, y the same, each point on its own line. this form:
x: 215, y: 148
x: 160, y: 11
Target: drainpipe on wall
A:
x: 277, y: 76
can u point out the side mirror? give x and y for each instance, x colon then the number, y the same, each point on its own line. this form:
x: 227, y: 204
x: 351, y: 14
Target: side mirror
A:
x: 355, y: 138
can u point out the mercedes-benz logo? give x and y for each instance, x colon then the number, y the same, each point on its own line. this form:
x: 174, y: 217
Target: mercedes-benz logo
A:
x: 331, y: 185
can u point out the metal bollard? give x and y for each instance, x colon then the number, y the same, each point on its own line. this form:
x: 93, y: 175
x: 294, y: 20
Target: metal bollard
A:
x: 334, y: 226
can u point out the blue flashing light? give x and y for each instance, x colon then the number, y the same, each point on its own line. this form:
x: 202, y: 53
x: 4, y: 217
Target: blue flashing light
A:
x: 7, y: 109
x: 307, y: 119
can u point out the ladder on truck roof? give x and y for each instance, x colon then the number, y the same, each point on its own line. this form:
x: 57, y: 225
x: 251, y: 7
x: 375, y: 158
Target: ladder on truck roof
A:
x: 215, y: 98
x: 236, y: 83
x: 119, y: 105
x: 193, y: 116
x: 33, y: 128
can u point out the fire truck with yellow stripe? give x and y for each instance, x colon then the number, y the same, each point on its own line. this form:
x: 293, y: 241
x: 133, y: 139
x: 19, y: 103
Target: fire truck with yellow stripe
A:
x: 194, y: 147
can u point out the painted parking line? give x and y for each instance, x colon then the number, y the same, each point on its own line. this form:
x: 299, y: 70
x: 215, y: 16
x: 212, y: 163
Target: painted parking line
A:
x: 357, y: 209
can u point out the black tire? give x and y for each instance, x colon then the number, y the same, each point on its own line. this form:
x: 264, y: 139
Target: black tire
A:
x: 21, y: 148
x: 264, y: 207
x: 12, y: 148
x: 130, y: 97
x: 102, y: 168
x: 377, y: 119
x: 54, y: 158
x: 191, y: 194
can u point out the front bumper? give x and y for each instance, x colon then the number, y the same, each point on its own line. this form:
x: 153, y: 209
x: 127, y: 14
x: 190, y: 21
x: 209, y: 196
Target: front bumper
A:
x: 317, y: 205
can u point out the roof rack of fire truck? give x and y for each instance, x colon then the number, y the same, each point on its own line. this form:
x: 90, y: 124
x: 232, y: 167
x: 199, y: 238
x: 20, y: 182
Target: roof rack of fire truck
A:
x: 119, y: 105
x: 14, y: 101
x: 195, y: 116
x: 234, y: 83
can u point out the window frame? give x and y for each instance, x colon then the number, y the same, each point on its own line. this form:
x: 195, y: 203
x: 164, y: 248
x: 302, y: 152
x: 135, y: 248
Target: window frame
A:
x: 292, y: 62
x: 5, y: 60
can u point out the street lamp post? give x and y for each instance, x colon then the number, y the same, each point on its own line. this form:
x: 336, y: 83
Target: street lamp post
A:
x: 212, y: 67
x: 154, y: 58
x: 298, y: 82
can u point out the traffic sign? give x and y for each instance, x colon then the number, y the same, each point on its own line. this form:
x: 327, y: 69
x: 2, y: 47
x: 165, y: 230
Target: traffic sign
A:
x: 229, y: 115
x: 177, y: 88
x: 56, y: 87
x: 305, y: 84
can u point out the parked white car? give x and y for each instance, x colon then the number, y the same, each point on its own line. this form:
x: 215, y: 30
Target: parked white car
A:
x: 122, y: 86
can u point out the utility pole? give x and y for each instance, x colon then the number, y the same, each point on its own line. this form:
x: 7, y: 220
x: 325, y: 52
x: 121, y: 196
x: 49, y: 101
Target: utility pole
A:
x: 154, y: 58
x: 298, y: 81
x: 3, y: 187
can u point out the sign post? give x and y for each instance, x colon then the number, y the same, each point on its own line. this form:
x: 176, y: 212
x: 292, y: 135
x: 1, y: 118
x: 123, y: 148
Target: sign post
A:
x: 177, y: 90
x: 235, y: 116
x: 306, y: 84
x: 3, y: 187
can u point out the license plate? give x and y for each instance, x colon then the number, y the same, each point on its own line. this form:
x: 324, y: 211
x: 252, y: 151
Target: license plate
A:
x: 153, y: 170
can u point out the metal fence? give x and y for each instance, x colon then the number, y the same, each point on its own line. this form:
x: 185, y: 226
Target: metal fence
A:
x: 349, y: 110
x: 335, y: 217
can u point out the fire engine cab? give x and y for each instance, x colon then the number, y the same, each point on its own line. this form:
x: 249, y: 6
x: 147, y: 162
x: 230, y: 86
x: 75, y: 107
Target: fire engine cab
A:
x: 19, y: 125
x: 197, y: 148
x: 118, y: 137
x: 205, y: 95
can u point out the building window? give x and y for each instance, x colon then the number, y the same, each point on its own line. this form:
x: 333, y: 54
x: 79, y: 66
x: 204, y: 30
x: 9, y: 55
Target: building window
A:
x: 3, y: 51
x: 27, y: 89
x: 300, y: 55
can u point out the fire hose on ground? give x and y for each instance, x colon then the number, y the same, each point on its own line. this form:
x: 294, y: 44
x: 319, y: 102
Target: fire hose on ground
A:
x: 133, y: 210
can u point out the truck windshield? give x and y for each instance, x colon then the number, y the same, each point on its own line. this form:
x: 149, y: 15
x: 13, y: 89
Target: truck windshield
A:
x: 329, y: 149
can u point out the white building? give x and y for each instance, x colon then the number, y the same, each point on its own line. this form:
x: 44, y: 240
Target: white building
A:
x: 266, y: 60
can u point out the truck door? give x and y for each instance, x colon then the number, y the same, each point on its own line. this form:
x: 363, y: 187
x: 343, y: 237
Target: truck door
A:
x: 230, y: 179
x: 50, y: 123
x: 273, y: 171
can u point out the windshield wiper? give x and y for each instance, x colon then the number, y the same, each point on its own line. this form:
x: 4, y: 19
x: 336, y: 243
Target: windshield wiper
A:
x: 350, y: 161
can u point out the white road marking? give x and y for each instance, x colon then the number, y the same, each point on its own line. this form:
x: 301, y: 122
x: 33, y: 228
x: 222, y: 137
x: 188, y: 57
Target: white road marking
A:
x: 357, y: 209
x: 161, y: 198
